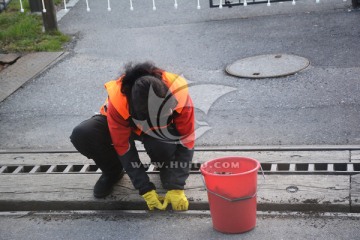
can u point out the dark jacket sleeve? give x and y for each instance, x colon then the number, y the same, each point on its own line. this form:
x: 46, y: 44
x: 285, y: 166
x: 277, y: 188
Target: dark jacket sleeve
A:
x: 180, y: 170
x: 136, y: 171
x: 124, y: 145
x: 185, y: 124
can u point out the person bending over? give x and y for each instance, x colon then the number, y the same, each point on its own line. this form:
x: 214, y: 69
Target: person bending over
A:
x: 153, y: 106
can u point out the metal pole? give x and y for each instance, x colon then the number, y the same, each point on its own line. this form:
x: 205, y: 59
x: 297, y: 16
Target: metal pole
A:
x: 355, y: 3
x: 49, y: 17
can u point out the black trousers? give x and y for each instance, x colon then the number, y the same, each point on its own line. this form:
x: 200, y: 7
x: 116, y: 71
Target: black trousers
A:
x: 92, y: 139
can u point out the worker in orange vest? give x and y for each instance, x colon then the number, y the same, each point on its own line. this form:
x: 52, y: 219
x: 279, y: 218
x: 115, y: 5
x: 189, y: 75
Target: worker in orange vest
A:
x: 150, y: 105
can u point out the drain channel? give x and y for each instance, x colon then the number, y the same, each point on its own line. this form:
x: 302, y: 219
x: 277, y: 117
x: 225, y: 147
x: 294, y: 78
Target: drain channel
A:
x: 268, y: 168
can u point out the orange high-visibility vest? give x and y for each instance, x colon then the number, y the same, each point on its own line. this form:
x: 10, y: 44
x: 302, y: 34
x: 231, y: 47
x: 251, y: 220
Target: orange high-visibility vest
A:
x: 176, y: 84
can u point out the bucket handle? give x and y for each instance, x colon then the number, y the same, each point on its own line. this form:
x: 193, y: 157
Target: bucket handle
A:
x: 234, y: 199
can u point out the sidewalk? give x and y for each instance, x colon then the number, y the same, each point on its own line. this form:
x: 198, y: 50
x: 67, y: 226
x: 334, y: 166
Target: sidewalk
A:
x: 64, y: 181
x: 24, y: 69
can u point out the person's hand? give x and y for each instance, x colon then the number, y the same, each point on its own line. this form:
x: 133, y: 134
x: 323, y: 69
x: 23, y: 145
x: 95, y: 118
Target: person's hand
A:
x: 177, y: 199
x: 153, y: 200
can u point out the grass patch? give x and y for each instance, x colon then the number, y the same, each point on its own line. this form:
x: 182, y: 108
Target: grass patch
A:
x: 22, y: 32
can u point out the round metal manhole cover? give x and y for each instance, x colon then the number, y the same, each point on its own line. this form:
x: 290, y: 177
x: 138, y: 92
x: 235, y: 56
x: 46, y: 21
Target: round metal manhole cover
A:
x: 268, y: 66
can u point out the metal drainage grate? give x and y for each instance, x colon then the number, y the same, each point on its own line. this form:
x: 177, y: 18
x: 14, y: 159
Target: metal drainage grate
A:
x: 312, y: 168
x: 268, y: 168
x: 21, y: 169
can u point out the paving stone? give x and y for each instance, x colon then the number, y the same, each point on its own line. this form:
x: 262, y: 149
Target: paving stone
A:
x: 355, y: 193
x: 279, y: 156
x: 355, y: 156
x: 23, y: 70
x: 199, y: 157
x: 75, y: 192
x: 9, y: 58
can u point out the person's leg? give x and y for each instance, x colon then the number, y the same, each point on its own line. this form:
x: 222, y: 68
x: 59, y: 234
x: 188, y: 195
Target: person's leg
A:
x: 92, y: 139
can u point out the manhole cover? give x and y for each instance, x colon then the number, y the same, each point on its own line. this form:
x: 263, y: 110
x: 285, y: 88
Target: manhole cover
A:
x: 267, y: 66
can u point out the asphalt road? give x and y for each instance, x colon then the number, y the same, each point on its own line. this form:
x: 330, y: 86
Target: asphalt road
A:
x: 190, y: 225
x: 319, y: 105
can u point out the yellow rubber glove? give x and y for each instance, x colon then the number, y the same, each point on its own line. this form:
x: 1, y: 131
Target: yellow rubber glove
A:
x: 153, y: 200
x: 177, y: 199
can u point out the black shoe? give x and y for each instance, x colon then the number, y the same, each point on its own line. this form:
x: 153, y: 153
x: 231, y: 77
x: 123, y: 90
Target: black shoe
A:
x: 105, y: 184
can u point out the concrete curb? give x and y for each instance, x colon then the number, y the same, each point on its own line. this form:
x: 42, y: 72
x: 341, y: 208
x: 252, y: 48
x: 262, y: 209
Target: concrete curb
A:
x: 26, y: 68
x: 197, y: 213
x: 73, y: 191
x: 216, y: 148
x: 60, y: 14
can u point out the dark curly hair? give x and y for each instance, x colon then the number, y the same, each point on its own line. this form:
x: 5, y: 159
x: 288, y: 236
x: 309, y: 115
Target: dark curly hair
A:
x: 136, y: 84
x: 135, y: 71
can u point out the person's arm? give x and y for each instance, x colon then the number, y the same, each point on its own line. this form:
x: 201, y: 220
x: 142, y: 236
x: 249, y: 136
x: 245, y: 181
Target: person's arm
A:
x: 120, y: 132
x: 185, y: 124
x: 178, y: 176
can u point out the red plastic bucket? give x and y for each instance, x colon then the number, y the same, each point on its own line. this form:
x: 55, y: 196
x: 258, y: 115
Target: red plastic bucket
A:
x: 231, y: 184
